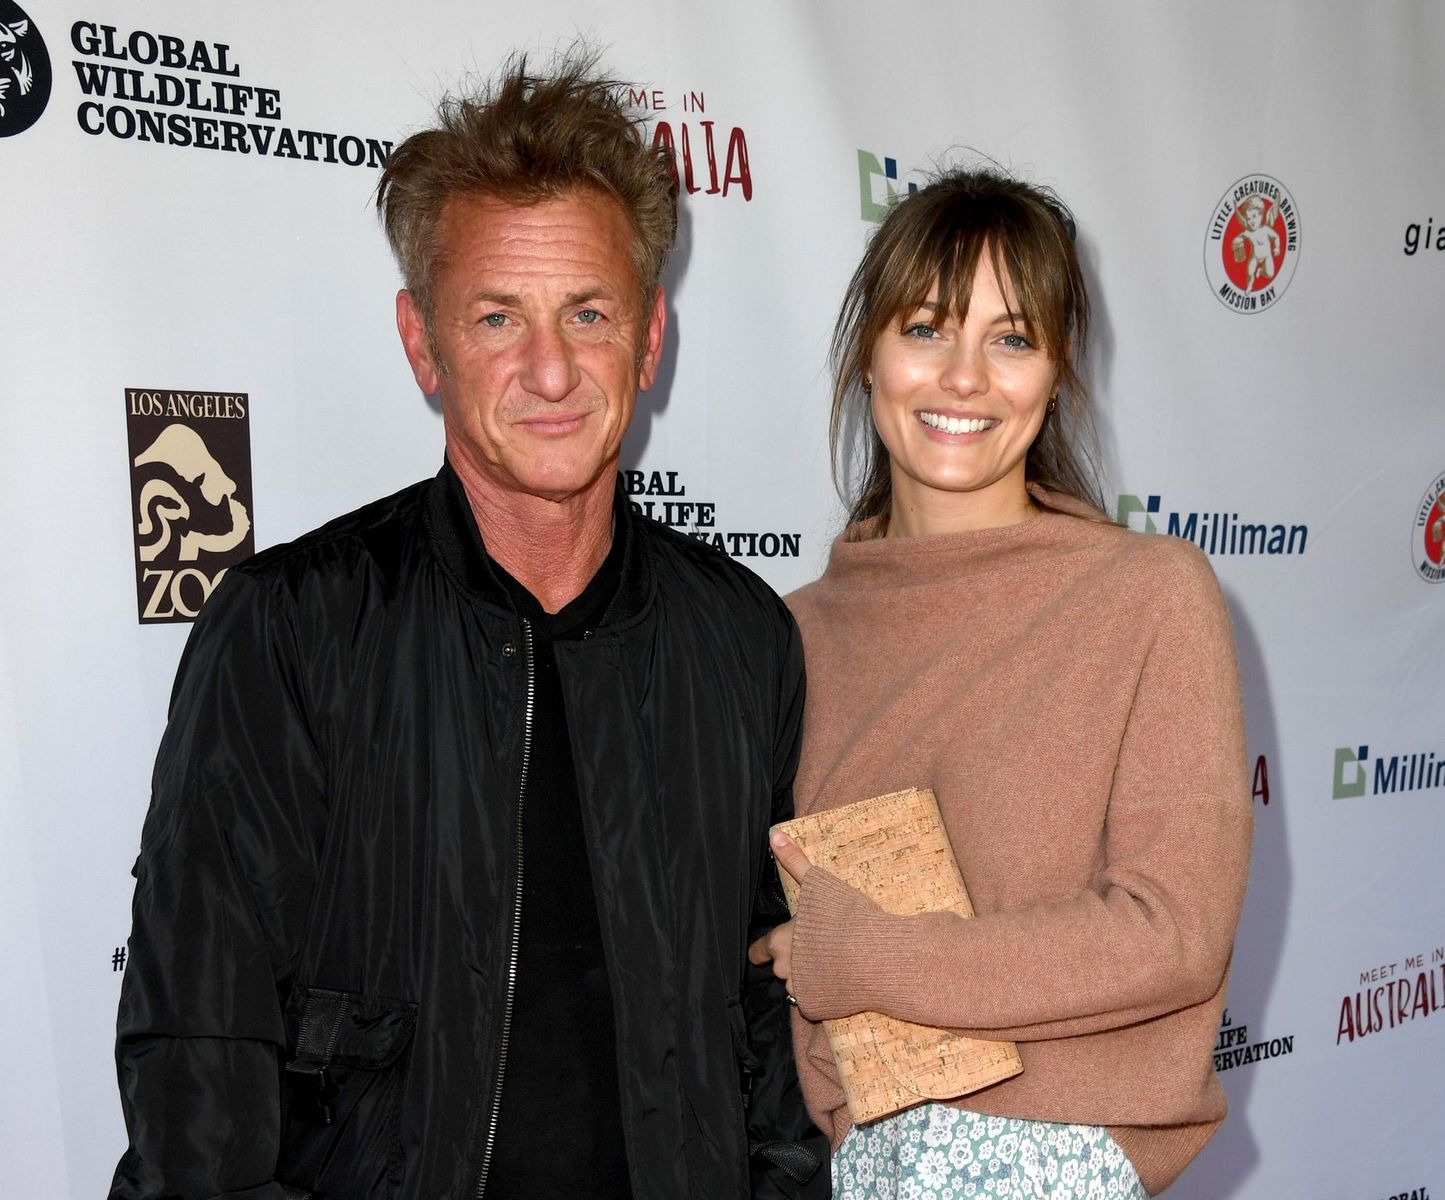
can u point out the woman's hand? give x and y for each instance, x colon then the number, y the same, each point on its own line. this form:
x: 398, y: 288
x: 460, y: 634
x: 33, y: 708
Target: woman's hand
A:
x: 776, y: 946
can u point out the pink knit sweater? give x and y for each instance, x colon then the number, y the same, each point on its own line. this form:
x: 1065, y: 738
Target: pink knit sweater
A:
x: 1068, y: 689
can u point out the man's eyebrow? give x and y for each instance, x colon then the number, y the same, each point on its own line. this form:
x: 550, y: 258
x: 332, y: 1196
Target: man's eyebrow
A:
x: 510, y: 298
x: 599, y: 292
x: 582, y: 296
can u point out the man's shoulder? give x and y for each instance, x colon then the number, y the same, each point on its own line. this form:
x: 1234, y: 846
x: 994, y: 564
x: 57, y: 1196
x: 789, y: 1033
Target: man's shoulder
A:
x: 713, y: 577
x: 374, y: 533
x: 717, y: 590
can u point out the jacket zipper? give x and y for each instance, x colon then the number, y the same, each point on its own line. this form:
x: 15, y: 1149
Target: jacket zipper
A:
x: 516, y: 918
x: 317, y: 1071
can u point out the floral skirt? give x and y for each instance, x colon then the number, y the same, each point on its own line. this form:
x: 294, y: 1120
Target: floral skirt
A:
x: 938, y: 1153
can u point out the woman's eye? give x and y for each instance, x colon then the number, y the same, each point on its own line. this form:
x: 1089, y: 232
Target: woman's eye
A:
x: 921, y: 330
x: 1017, y: 341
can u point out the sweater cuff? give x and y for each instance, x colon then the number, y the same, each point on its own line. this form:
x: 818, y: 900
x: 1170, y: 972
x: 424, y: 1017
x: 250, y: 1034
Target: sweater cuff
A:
x: 839, y: 939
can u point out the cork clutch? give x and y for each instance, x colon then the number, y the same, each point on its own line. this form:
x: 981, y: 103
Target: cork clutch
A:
x: 894, y: 849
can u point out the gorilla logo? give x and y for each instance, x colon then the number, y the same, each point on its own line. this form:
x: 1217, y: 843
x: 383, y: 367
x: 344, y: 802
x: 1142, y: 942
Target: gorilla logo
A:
x: 161, y: 504
x: 24, y: 71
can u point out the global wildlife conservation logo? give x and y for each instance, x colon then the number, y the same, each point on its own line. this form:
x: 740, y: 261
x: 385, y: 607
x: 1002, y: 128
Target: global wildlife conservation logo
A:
x: 24, y: 71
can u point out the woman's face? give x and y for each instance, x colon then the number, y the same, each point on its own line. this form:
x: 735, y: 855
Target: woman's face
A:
x: 957, y: 408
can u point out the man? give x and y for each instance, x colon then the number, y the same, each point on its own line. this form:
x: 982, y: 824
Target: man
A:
x: 458, y: 834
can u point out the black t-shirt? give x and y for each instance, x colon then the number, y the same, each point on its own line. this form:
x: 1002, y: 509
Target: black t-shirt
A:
x: 560, y: 1130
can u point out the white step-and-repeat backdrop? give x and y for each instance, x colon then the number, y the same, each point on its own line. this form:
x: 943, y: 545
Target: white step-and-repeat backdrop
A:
x: 199, y: 360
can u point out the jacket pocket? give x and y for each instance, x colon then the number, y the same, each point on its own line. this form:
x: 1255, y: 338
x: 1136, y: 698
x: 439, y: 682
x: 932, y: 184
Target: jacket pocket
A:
x: 342, y: 1090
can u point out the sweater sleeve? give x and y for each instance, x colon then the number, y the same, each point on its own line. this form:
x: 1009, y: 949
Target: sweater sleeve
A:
x: 1152, y: 932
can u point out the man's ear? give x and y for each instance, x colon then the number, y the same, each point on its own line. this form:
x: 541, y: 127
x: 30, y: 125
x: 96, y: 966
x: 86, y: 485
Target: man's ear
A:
x: 652, y: 350
x: 411, y: 325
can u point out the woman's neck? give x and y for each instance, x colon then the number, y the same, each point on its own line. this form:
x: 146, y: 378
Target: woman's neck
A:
x: 920, y: 511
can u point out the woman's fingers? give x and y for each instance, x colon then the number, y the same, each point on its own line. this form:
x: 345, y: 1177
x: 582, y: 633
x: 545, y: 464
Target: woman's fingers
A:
x: 790, y: 856
x: 776, y: 947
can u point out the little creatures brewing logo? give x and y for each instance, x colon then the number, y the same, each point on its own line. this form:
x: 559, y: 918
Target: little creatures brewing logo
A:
x: 1427, y: 538
x: 1252, y: 245
x: 190, y: 485
x: 24, y: 71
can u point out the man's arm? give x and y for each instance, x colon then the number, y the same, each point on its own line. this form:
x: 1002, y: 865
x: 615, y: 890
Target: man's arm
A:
x: 223, y: 882
x: 789, y: 1154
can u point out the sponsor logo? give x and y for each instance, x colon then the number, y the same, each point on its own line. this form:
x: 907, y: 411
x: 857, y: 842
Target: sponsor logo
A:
x: 1408, y: 772
x: 1216, y: 533
x: 1427, y: 539
x: 662, y: 496
x: 878, y: 185
x: 1393, y: 994
x: 1418, y: 237
x: 707, y: 159
x: 188, y: 92
x: 24, y: 71
x: 190, y: 484
x: 1232, y: 1048
x: 1419, y: 1193
x: 1252, y: 244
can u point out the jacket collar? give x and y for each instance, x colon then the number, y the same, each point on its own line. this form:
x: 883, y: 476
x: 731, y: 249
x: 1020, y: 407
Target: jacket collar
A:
x: 457, y: 542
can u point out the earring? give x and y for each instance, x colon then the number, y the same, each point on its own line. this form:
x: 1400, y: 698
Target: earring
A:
x: 867, y: 386
x: 1052, y: 404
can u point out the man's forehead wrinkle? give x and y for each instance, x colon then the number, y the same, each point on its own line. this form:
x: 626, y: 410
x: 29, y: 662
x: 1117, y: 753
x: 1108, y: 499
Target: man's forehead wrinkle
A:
x: 516, y: 269
x: 561, y: 287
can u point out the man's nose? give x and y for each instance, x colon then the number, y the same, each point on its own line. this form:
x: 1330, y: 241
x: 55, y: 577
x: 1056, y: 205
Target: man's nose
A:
x: 550, y: 368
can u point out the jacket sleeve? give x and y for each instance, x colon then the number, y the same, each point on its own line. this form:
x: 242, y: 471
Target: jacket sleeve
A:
x: 789, y: 1154
x: 227, y: 861
x: 1151, y: 934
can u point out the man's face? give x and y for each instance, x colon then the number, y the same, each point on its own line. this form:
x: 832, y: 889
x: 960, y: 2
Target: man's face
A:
x: 542, y: 342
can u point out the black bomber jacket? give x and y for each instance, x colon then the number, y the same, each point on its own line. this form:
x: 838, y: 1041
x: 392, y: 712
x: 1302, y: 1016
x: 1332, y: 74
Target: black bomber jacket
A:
x: 324, y: 918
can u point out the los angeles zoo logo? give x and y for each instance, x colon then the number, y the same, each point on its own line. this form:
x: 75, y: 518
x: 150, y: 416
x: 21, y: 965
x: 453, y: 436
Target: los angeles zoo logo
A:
x: 1253, y: 243
x: 1427, y: 538
x: 190, y: 483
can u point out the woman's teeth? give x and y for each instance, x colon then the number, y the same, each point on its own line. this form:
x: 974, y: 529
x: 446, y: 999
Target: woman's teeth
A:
x: 955, y: 424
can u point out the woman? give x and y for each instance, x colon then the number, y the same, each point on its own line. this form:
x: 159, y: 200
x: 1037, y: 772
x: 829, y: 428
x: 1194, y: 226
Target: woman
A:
x: 1068, y: 690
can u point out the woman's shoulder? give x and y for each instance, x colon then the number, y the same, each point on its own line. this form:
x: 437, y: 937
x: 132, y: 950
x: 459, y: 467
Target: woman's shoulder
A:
x: 1155, y: 581
x: 803, y: 602
x: 1154, y: 561
x: 1163, y: 565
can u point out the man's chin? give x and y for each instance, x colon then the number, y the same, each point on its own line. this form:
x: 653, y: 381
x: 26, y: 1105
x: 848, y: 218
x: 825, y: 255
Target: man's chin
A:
x: 562, y: 485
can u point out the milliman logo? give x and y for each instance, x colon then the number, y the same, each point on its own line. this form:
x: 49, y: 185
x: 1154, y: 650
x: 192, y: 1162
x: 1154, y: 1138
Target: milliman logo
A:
x: 1393, y: 773
x: 878, y: 186
x: 1216, y: 533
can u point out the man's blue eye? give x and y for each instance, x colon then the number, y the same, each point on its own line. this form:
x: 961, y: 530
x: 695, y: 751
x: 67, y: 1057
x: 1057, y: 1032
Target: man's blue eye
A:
x: 589, y: 316
x: 495, y: 320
